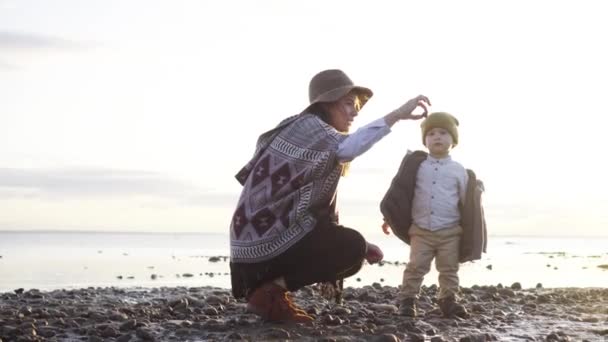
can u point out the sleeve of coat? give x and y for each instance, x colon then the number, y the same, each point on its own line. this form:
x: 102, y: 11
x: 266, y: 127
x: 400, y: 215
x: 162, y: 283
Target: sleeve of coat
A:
x: 474, y: 237
x: 396, y: 206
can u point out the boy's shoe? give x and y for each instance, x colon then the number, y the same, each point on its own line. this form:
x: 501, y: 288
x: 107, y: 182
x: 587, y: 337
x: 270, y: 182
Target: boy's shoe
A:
x: 272, y: 303
x: 407, y: 307
x: 450, y: 308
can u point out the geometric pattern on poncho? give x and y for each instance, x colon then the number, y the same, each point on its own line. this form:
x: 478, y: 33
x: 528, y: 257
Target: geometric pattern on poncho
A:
x: 293, y: 170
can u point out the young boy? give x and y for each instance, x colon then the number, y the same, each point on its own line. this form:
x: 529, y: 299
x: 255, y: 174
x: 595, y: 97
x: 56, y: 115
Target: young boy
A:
x: 434, y: 205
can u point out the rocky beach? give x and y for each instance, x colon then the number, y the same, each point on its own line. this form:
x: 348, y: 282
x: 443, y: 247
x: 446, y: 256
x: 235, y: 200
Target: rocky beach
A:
x: 524, y: 293
x: 498, y: 313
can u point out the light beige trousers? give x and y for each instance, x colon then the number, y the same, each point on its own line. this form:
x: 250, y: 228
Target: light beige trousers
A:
x: 443, y: 245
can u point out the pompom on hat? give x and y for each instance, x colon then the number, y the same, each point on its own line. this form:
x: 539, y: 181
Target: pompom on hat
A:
x: 331, y: 85
x: 440, y: 120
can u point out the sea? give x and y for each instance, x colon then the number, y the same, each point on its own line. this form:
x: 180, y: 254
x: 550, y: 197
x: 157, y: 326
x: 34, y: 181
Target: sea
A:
x: 46, y: 260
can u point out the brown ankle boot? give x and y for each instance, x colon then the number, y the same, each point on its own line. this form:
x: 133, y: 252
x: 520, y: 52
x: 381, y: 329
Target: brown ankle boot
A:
x: 272, y: 303
x: 289, y: 299
x: 450, y: 308
x: 407, y: 307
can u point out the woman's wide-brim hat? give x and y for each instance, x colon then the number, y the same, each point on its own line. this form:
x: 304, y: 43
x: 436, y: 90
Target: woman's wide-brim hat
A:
x: 331, y: 85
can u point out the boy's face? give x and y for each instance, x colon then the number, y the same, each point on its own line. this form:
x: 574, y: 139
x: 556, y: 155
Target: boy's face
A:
x: 439, y: 141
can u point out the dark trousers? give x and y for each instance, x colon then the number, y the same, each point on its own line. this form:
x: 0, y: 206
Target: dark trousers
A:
x: 328, y: 253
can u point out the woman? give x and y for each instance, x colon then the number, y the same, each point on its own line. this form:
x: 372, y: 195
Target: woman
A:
x: 285, y: 233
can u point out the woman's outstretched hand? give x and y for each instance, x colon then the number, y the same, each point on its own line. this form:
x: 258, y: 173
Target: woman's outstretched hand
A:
x: 405, y: 111
x: 374, y: 253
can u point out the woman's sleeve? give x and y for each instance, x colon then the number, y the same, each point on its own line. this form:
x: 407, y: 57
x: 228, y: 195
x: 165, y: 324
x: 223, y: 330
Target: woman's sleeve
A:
x: 363, y: 139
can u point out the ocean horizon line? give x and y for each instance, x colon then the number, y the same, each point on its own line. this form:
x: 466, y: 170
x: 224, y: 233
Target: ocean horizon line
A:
x: 185, y: 232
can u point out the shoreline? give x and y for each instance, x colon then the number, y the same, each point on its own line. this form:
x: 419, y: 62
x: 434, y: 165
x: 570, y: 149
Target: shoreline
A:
x: 124, y: 270
x: 369, y: 313
x: 224, y: 234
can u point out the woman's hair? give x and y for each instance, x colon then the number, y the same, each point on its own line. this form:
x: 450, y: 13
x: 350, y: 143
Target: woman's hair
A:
x: 320, y: 110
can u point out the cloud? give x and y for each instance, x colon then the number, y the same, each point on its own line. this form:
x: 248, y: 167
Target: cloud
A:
x: 78, y: 183
x: 29, y: 41
x: 16, y: 47
x: 7, y: 66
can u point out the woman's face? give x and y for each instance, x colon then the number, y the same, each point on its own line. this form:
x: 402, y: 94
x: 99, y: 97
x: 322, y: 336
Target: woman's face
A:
x: 343, y: 112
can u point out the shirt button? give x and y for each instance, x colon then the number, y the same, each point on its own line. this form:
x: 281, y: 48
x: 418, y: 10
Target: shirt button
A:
x: 433, y: 182
x: 432, y: 212
x: 432, y: 197
x: 435, y: 169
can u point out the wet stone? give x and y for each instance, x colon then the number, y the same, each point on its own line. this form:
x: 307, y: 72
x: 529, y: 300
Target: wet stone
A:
x: 124, y: 338
x: 145, y: 334
x: 128, y: 325
x: 276, y: 333
x: 416, y: 337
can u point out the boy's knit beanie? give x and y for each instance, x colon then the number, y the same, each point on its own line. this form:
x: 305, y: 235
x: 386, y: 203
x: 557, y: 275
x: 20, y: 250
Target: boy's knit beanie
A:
x: 442, y: 120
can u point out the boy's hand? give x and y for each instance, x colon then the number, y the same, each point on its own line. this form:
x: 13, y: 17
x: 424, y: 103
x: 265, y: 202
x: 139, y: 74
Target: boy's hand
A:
x: 386, y: 228
x: 374, y: 253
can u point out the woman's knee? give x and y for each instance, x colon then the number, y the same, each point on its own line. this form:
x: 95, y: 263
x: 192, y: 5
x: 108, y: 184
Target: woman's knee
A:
x: 352, y: 253
x: 354, y: 244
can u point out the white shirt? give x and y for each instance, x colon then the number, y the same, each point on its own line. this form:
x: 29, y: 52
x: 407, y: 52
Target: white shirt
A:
x: 362, y: 140
x: 440, y: 185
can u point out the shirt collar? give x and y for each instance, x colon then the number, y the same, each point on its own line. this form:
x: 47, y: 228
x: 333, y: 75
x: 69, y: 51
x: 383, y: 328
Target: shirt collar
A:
x: 442, y: 161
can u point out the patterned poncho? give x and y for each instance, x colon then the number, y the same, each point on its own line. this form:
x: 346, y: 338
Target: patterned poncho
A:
x: 293, y: 175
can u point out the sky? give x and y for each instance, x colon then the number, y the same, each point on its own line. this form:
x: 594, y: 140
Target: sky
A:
x: 136, y: 115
